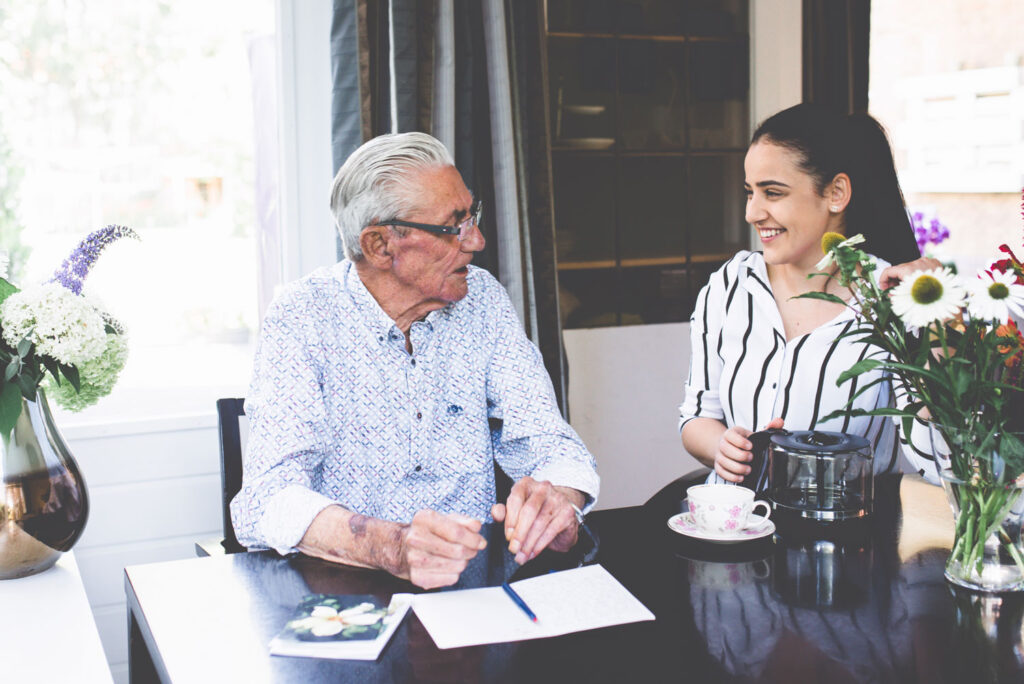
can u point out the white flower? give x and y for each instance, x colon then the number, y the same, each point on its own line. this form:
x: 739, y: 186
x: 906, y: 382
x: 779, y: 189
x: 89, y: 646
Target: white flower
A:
x: 326, y: 621
x: 827, y: 260
x: 5, y: 263
x: 58, y: 322
x: 926, y: 296
x: 995, y: 295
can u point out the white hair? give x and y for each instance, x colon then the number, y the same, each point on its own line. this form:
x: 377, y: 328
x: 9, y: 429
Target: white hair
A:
x: 372, y: 184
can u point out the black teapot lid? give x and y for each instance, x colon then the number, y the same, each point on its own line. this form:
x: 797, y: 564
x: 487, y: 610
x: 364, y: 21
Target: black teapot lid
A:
x: 819, y: 441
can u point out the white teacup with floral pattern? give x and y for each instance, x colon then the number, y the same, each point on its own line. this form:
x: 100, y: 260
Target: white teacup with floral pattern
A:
x: 724, y: 508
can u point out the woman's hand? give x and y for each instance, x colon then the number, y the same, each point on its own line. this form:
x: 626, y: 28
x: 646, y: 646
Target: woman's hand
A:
x: 893, y: 275
x: 733, y: 453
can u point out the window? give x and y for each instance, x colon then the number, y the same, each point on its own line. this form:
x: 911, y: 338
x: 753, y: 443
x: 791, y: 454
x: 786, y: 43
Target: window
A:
x: 142, y: 114
x: 946, y: 84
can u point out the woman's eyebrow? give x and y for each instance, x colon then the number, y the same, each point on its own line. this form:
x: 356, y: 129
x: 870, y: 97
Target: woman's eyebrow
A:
x: 766, y: 183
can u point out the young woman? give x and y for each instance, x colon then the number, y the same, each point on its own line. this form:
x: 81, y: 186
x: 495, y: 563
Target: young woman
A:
x: 759, y: 357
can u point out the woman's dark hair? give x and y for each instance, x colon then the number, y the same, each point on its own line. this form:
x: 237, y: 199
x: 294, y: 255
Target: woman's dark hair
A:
x: 829, y: 143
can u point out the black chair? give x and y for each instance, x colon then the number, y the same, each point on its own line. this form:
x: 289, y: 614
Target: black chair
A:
x: 229, y: 413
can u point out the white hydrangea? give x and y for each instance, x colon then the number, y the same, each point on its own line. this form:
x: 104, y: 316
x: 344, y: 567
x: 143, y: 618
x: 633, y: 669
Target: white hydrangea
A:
x: 59, y: 323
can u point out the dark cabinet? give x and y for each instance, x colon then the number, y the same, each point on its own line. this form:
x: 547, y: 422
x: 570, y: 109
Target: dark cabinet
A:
x: 650, y: 114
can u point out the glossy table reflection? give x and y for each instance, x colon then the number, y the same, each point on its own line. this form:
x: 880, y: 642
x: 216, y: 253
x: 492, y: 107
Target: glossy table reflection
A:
x: 862, y: 602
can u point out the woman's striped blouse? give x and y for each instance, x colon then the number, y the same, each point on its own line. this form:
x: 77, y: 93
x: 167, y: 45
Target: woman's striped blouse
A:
x: 744, y: 372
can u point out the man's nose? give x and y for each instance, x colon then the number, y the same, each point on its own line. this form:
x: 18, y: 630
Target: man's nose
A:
x: 474, y: 242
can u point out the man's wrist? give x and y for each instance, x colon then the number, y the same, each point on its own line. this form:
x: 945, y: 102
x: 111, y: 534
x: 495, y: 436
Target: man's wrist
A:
x: 391, y: 542
x: 576, y: 498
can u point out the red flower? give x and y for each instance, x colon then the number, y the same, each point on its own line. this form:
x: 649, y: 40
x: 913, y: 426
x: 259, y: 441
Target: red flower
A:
x: 1015, y: 348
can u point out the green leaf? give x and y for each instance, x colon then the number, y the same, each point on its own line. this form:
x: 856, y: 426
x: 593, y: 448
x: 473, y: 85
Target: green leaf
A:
x: 12, y: 369
x: 71, y: 373
x: 6, y: 290
x: 24, y: 347
x: 856, y: 369
x: 51, y: 365
x: 824, y: 296
x: 10, y: 409
x: 27, y: 385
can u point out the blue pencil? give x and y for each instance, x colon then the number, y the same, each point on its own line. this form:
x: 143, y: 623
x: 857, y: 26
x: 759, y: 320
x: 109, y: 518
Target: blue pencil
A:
x: 519, y: 601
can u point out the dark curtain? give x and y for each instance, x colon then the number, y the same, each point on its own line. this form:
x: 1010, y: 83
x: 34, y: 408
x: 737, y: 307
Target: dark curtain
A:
x: 366, y: 80
x: 836, y: 40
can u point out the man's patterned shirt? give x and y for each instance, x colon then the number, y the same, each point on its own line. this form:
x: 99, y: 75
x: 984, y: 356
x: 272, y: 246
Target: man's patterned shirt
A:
x: 341, y: 413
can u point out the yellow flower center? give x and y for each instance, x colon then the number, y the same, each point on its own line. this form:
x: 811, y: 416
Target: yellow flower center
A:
x: 829, y: 241
x: 926, y: 289
x: 998, y: 291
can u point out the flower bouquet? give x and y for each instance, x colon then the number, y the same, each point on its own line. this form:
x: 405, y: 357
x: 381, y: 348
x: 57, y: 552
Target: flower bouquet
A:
x: 953, y: 350
x: 51, y: 336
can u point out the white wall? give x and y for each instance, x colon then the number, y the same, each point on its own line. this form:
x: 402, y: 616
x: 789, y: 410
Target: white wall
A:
x: 625, y: 385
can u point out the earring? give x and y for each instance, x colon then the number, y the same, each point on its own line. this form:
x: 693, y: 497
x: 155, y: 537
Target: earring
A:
x: 834, y: 209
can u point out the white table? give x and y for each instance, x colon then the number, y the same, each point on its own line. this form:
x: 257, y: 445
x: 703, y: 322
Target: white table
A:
x: 48, y: 633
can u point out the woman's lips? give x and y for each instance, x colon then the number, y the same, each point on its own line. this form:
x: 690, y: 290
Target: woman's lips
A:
x: 769, y: 234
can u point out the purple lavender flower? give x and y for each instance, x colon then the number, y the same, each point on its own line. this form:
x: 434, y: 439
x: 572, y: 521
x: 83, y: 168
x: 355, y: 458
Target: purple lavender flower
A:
x: 75, y: 268
x: 935, y: 233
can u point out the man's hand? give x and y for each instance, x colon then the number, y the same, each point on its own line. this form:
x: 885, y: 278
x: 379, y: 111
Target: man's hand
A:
x: 538, y: 515
x: 434, y: 548
x: 893, y: 275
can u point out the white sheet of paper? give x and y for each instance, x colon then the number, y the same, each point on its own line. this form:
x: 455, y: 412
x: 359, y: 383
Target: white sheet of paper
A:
x: 565, y: 602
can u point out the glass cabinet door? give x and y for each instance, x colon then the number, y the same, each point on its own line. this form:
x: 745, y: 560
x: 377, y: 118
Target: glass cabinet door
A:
x: 650, y: 115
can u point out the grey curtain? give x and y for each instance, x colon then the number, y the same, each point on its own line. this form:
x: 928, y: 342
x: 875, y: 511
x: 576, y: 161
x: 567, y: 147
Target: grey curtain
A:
x: 470, y: 72
x: 836, y: 41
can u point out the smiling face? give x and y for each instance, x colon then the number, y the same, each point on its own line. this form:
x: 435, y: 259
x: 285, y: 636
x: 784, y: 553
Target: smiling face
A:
x: 785, y: 207
x: 430, y: 269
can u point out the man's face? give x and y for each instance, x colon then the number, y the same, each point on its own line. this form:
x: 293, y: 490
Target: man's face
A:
x: 429, y: 266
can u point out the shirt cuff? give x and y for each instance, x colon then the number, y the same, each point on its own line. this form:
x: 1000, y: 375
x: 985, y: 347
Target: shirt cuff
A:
x: 579, y: 478
x: 287, y: 516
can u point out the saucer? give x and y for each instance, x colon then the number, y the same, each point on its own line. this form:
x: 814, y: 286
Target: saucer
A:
x: 683, y: 524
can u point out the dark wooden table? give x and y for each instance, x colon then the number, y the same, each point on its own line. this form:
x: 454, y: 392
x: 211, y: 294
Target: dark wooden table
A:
x: 860, y: 602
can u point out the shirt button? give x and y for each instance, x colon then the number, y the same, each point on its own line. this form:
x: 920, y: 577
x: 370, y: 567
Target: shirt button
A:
x: 413, y: 362
x: 380, y: 339
x: 419, y: 415
x: 774, y: 385
x: 419, y: 468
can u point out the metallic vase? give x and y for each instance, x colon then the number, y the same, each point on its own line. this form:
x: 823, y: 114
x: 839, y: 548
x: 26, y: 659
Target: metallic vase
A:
x: 43, y: 504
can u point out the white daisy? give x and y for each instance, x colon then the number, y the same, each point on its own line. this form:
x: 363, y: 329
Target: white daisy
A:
x: 926, y: 296
x: 827, y: 260
x: 994, y: 296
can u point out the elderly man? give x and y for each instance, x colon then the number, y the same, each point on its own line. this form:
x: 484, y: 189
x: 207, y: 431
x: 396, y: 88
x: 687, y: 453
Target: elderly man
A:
x: 374, y: 381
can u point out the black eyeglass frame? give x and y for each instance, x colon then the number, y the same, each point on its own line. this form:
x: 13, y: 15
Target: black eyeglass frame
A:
x: 472, y: 220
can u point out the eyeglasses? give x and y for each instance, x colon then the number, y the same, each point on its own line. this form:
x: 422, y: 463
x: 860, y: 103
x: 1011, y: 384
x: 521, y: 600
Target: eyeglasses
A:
x: 462, y: 230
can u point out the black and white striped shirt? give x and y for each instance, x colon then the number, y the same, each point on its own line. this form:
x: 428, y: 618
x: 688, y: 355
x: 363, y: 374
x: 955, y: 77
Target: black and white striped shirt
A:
x: 744, y: 372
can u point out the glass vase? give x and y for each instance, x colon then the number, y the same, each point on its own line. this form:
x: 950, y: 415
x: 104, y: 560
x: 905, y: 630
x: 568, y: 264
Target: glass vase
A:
x: 988, y: 510
x: 44, y: 504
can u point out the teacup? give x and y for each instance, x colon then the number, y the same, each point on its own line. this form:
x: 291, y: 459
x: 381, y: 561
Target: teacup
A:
x: 724, y: 508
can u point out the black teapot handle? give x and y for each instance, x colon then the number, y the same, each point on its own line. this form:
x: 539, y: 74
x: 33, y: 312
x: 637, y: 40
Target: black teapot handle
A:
x: 757, y: 478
